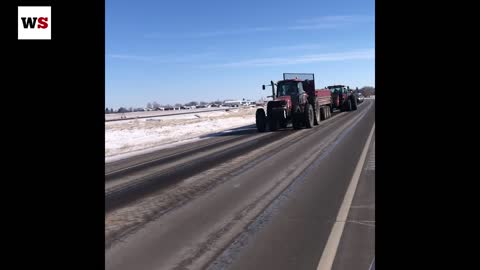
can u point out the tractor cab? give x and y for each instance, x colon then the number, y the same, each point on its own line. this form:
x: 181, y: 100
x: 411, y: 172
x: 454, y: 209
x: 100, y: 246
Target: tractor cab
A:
x: 339, y: 91
x: 343, y: 98
x: 289, y: 88
x: 295, y: 101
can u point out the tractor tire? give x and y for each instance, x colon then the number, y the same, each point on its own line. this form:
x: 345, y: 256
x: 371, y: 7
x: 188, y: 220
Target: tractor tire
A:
x: 349, y: 105
x: 282, y: 120
x: 273, y: 123
x: 318, y: 115
x: 354, y: 104
x: 309, y: 116
x: 260, y: 120
x: 344, y: 107
x: 296, y: 123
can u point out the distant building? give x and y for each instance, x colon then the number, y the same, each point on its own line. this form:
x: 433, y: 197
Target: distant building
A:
x: 232, y: 103
x: 247, y: 102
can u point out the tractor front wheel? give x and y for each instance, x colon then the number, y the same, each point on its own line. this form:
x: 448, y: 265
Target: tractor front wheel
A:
x: 260, y: 120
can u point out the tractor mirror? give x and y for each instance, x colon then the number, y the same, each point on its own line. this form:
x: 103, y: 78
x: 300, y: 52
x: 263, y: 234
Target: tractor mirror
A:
x: 263, y: 87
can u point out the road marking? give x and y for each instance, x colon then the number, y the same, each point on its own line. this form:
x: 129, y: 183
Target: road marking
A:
x: 330, y: 250
x: 371, y: 159
x: 372, y: 265
x: 369, y: 223
x: 367, y: 206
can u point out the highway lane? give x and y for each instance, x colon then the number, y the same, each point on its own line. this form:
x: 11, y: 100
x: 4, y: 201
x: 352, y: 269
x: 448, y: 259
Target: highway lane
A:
x: 136, y: 179
x: 270, y: 208
x: 356, y: 249
x: 132, y: 178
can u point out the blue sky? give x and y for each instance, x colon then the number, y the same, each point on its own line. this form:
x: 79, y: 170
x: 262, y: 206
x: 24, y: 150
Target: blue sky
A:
x: 180, y: 51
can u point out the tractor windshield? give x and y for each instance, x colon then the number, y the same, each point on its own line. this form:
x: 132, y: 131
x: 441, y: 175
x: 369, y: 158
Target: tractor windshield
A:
x: 335, y: 89
x: 287, y: 88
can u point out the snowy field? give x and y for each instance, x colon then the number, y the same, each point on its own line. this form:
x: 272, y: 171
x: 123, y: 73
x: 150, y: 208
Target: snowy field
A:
x: 133, y: 115
x: 130, y: 137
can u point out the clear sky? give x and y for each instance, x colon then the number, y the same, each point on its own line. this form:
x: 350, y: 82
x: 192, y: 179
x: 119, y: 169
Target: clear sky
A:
x: 180, y: 51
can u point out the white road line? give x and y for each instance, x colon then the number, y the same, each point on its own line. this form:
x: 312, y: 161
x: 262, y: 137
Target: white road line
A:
x: 372, y: 265
x: 371, y: 159
x: 330, y: 250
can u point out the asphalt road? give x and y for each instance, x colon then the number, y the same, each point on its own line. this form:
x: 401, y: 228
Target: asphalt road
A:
x: 247, y: 201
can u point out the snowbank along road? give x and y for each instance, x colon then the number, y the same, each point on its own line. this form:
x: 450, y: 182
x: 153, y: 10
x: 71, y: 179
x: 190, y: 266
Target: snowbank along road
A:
x: 131, y: 137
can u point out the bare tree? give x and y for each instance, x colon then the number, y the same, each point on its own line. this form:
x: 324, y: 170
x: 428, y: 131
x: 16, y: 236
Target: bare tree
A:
x: 367, y: 91
x: 149, y: 105
x: 122, y: 110
x: 192, y: 103
x: 155, y: 105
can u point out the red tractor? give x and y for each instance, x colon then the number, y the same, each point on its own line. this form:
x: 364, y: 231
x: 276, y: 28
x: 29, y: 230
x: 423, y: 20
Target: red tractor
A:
x: 295, y: 101
x: 343, y: 98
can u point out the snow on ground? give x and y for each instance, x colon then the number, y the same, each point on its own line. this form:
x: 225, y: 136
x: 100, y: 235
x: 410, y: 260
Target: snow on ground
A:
x: 134, y: 115
x: 130, y: 137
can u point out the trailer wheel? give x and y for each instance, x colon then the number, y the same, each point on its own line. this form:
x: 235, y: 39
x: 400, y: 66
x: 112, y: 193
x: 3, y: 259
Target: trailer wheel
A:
x: 323, y: 113
x: 318, y: 115
x: 309, y: 116
x: 260, y: 120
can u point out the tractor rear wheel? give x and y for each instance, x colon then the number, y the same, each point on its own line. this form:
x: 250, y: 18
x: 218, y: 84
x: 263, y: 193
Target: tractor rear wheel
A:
x: 273, y: 123
x: 296, y: 123
x: 354, y: 103
x: 349, y: 105
x: 318, y: 115
x: 309, y: 121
